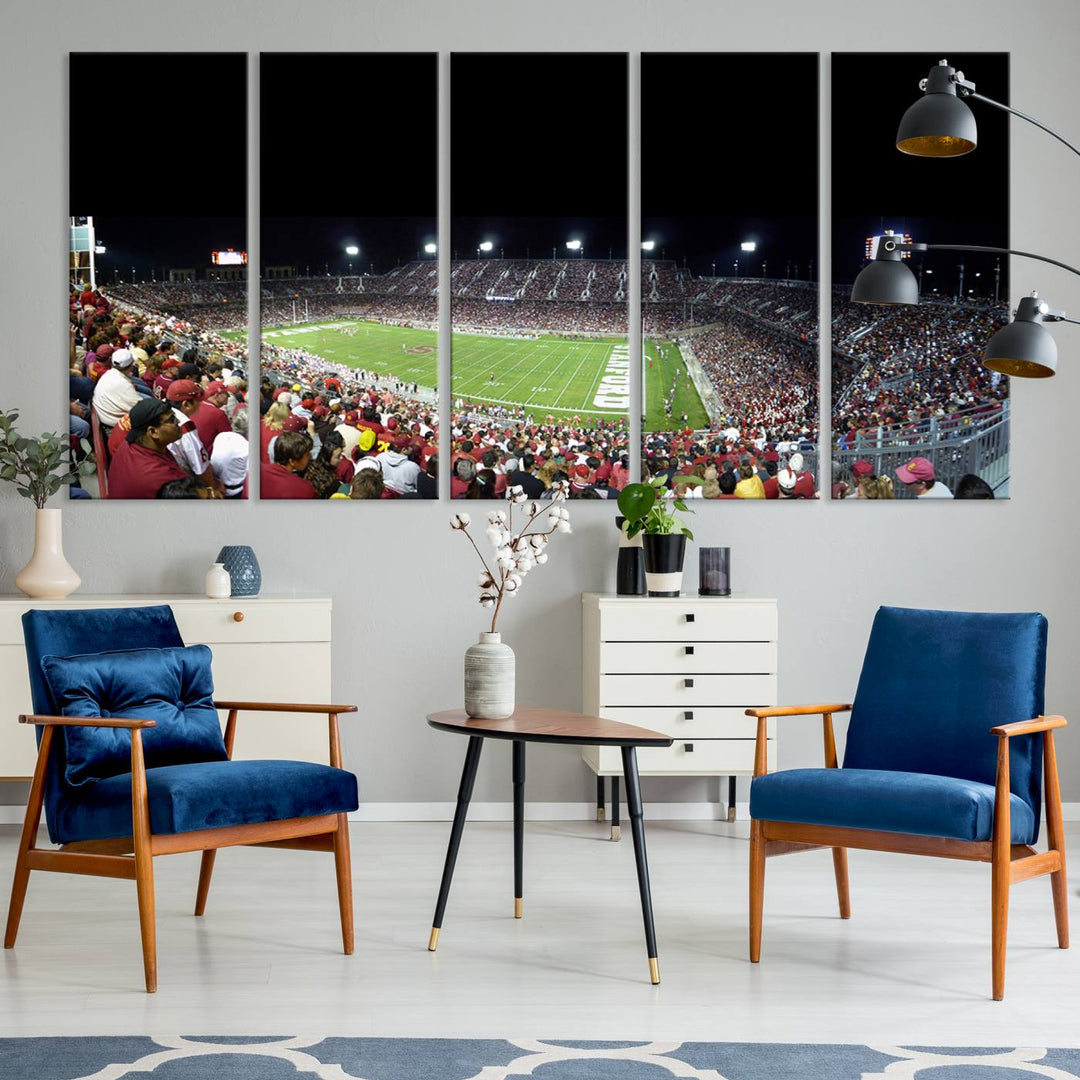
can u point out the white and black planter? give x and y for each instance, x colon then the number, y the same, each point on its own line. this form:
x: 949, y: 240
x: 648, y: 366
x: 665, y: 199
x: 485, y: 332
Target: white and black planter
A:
x: 664, y: 554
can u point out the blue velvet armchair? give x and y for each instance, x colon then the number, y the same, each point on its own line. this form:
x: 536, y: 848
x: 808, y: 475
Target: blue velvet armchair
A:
x: 132, y: 763
x: 943, y: 758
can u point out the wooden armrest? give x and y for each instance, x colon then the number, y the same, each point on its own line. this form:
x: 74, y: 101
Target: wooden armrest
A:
x: 797, y: 710
x: 277, y: 706
x: 1027, y: 727
x: 87, y: 721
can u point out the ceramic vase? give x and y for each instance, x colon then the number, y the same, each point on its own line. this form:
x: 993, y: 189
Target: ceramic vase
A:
x: 243, y: 569
x: 48, y: 576
x: 218, y: 585
x: 664, y: 554
x: 489, y: 678
x: 630, y: 569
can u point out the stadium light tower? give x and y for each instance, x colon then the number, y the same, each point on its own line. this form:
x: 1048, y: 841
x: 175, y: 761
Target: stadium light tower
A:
x: 576, y: 245
x: 485, y: 246
x: 431, y: 249
x: 352, y: 249
x: 748, y: 245
x: 648, y: 245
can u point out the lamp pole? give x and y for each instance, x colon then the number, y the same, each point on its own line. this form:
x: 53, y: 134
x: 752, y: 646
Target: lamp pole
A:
x: 960, y: 287
x: 997, y: 282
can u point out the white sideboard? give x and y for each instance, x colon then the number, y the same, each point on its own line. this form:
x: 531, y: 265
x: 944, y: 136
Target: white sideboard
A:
x: 266, y: 648
x: 687, y: 666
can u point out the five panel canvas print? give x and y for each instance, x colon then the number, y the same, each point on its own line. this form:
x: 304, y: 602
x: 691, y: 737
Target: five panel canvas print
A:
x: 543, y: 365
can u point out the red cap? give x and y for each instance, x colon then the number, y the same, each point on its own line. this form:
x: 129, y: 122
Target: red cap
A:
x: 862, y: 468
x: 216, y: 387
x: 916, y: 471
x: 294, y: 423
x: 170, y: 363
x: 183, y: 390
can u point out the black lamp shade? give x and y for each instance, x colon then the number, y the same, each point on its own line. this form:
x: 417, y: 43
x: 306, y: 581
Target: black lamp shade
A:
x: 937, y: 125
x: 1024, y: 348
x: 885, y: 282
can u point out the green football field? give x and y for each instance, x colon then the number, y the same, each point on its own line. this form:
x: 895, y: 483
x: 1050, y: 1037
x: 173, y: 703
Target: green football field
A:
x: 554, y: 375
x: 659, y: 375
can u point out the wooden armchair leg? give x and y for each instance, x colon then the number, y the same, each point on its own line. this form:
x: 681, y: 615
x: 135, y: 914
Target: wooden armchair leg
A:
x: 343, y: 868
x: 839, y: 858
x: 1055, y: 829
x: 206, y: 870
x: 757, y: 888
x: 144, y: 861
x: 1000, y: 870
x: 28, y: 840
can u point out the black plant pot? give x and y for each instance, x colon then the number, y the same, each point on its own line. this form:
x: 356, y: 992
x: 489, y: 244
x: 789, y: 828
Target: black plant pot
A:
x: 630, y: 572
x: 664, y: 556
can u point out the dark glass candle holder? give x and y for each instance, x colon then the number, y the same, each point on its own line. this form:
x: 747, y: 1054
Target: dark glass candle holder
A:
x: 714, y: 571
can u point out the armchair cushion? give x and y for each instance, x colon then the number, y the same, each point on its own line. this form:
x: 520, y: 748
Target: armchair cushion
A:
x: 207, y: 795
x: 884, y: 800
x: 173, y: 686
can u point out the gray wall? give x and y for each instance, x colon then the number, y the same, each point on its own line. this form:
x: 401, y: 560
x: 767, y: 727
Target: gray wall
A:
x: 405, y: 605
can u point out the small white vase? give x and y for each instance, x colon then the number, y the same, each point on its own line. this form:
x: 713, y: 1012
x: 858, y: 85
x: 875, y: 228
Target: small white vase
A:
x: 48, y: 575
x: 218, y: 582
x: 489, y: 678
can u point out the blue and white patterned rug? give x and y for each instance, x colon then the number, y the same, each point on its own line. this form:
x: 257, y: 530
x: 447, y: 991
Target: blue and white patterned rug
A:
x: 287, y: 1058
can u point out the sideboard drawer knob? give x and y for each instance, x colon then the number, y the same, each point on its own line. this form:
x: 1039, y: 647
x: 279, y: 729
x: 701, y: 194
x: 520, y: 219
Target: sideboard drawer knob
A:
x: 688, y: 747
x: 688, y: 715
x: 688, y: 683
x: 689, y: 650
x: 689, y: 616
x: 238, y: 616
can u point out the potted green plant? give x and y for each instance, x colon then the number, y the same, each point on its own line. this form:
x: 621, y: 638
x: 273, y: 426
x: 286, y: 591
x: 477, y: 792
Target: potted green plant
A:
x: 39, y: 468
x: 664, y: 533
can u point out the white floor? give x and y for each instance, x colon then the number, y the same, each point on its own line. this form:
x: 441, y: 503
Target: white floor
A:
x: 912, y: 966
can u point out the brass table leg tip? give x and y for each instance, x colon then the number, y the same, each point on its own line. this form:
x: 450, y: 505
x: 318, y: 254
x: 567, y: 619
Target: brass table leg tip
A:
x: 731, y: 813
x: 600, y: 815
x: 433, y: 941
x: 519, y: 907
x: 616, y: 831
x: 654, y: 970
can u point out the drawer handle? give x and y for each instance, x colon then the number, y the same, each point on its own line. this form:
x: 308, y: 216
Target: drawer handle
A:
x: 689, y: 616
x: 688, y: 684
x: 688, y: 747
x: 688, y: 715
x: 238, y: 616
x: 689, y: 650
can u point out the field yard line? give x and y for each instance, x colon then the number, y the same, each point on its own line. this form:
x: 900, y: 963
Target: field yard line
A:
x: 539, y: 363
x: 574, y: 376
x: 485, y: 359
x: 484, y: 400
x: 599, y: 374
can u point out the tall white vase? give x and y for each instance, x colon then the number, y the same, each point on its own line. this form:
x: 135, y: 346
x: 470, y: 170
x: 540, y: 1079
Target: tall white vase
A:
x: 48, y: 576
x: 489, y: 678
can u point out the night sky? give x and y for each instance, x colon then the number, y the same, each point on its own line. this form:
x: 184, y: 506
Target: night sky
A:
x: 963, y: 200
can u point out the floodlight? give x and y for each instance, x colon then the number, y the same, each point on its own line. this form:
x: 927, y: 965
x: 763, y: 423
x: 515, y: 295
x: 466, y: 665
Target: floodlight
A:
x: 574, y: 245
x: 352, y: 249
x: 486, y: 245
x: 648, y: 245
x: 431, y: 248
x: 748, y: 245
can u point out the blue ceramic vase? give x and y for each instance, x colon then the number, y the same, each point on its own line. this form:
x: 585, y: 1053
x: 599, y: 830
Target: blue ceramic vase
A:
x: 244, y: 573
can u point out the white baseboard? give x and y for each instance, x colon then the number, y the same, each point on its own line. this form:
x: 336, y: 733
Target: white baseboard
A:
x: 12, y: 814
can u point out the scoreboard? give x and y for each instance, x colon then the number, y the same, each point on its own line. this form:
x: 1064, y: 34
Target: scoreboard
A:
x: 229, y: 258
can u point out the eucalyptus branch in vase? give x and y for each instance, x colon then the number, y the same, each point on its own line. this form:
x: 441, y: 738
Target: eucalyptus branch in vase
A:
x: 514, y: 554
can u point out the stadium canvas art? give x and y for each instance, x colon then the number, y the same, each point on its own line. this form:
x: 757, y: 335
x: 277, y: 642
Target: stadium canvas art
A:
x: 914, y: 412
x: 729, y: 294
x: 540, y: 353
x: 157, y: 278
x: 349, y: 286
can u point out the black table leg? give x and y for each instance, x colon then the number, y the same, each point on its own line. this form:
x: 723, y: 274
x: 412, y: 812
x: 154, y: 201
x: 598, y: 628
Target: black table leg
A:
x: 615, y: 829
x: 731, y: 798
x: 637, y: 827
x: 519, y: 825
x: 599, y: 798
x: 468, y: 778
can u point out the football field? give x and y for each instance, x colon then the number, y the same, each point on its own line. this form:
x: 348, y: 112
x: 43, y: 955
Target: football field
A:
x: 557, y: 376
x: 551, y: 375
x: 660, y: 374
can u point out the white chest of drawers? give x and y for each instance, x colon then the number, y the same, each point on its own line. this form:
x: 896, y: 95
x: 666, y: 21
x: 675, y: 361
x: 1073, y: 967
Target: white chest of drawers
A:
x: 277, y: 650
x: 686, y: 666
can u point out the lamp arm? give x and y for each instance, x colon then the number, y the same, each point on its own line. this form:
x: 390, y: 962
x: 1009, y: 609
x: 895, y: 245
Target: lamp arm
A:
x: 1023, y: 116
x: 991, y: 250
